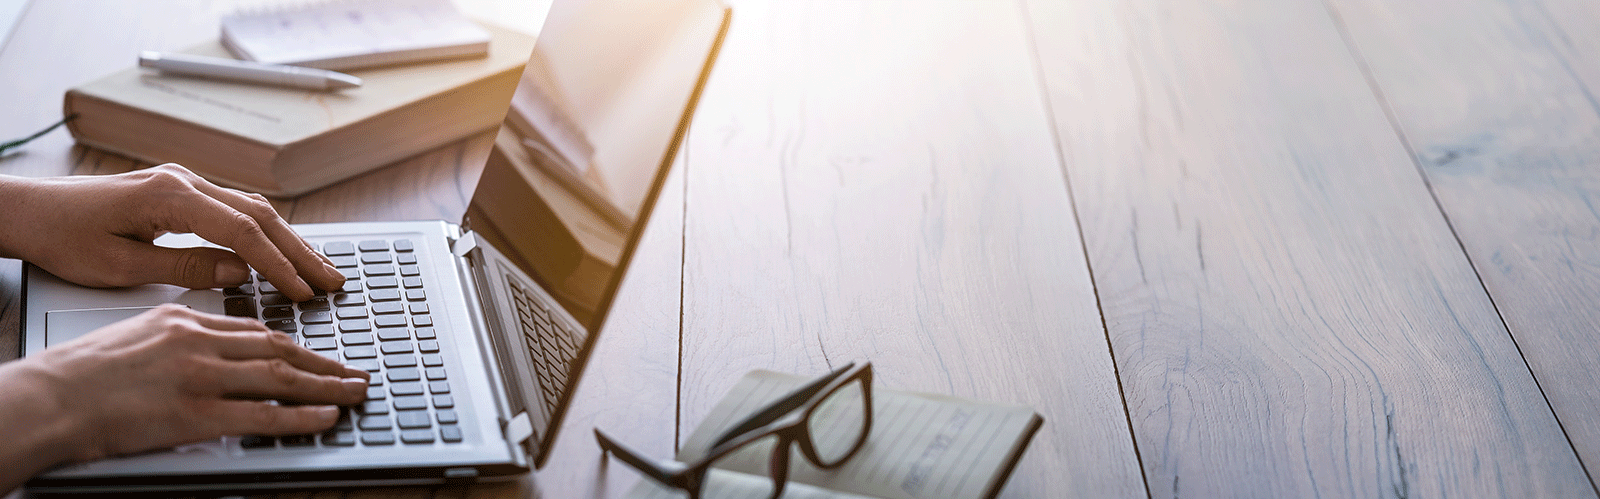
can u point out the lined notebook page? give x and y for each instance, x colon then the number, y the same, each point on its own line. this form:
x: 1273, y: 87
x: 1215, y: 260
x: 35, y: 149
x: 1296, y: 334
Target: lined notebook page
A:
x: 351, y: 34
x: 919, y: 446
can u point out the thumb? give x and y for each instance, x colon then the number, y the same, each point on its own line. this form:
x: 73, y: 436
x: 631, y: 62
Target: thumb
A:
x: 194, y: 268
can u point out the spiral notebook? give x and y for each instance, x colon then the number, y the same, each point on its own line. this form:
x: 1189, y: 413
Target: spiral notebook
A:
x: 350, y: 34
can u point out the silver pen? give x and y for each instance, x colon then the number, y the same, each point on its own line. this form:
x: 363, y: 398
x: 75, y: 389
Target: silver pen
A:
x: 253, y: 72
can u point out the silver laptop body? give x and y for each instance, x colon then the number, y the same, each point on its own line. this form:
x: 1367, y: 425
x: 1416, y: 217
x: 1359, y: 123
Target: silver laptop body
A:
x: 475, y: 309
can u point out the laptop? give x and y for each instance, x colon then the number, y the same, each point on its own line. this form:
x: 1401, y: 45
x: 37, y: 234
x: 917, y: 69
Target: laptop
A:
x: 475, y: 332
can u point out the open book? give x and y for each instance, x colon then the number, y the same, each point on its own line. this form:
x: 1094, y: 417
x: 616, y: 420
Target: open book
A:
x: 920, y: 446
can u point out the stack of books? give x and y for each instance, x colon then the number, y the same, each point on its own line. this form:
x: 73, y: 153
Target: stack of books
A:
x: 422, y: 89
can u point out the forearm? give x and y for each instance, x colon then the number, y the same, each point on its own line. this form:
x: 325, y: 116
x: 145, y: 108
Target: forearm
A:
x: 15, y: 212
x: 37, y: 434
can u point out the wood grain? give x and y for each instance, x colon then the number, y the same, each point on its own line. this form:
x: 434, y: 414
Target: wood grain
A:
x: 878, y: 181
x: 1289, y: 312
x: 1496, y: 101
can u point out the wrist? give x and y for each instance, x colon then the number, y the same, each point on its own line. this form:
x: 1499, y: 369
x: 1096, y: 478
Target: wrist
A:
x: 35, y: 419
x: 14, y: 206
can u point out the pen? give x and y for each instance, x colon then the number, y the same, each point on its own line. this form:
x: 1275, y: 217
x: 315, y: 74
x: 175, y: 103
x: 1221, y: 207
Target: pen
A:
x: 254, y: 72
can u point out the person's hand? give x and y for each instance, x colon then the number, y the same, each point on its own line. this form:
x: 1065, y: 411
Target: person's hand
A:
x: 96, y: 231
x: 167, y: 377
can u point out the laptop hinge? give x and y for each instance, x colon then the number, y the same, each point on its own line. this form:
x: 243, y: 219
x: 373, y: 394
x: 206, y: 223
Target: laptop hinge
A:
x: 465, y: 244
x: 520, y: 428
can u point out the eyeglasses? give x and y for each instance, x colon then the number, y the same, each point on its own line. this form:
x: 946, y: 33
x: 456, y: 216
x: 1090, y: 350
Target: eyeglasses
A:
x: 829, y: 418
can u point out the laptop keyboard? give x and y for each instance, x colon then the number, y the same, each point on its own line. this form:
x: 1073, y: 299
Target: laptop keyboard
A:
x: 550, y: 344
x: 379, y: 322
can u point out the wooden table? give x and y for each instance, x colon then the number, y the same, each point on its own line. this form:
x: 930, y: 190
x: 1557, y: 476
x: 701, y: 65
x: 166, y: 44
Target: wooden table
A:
x: 1247, y: 248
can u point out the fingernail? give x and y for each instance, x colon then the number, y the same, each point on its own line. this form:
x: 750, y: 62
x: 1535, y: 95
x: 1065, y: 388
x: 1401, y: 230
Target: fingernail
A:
x: 328, y: 413
x: 355, y: 386
x: 356, y: 372
x: 230, y: 273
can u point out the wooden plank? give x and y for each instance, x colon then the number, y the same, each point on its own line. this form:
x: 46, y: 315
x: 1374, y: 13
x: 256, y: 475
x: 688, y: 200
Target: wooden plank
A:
x: 878, y: 181
x: 1498, y: 107
x: 1289, y: 312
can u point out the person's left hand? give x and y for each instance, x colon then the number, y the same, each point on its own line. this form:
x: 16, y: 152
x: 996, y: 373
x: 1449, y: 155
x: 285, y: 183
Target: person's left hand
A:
x: 96, y: 231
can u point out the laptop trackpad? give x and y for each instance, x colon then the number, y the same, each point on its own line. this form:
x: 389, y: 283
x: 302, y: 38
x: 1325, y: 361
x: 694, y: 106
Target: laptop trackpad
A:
x: 61, y: 326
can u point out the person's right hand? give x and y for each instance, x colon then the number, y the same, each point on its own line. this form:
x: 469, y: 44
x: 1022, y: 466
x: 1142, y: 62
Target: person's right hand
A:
x: 172, y: 376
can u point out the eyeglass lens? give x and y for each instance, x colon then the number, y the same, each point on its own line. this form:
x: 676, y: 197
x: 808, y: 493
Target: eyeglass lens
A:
x: 839, y: 423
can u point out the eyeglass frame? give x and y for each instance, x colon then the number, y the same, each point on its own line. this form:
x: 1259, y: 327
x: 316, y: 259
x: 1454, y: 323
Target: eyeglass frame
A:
x: 785, y: 418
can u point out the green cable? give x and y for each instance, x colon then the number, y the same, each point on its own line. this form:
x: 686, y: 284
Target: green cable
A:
x: 19, y: 142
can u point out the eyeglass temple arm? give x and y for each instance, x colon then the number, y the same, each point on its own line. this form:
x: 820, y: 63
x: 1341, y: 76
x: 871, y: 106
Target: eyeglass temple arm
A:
x: 635, y: 459
x: 783, y: 405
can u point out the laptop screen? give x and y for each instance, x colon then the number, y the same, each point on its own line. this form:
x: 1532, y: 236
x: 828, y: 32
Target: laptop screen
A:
x: 587, y: 143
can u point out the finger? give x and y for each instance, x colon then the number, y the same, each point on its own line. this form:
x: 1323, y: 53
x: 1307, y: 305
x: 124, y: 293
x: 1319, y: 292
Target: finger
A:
x: 251, y: 417
x: 195, y: 268
x: 307, y: 262
x: 278, y: 379
x: 275, y: 345
x: 227, y: 323
x: 221, y: 224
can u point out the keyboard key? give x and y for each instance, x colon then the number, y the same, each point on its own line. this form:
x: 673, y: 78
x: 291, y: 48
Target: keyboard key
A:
x: 410, y: 270
x: 444, y: 401
x: 374, y: 422
x: 424, y: 333
x: 317, y: 330
x: 378, y: 270
x: 355, y: 299
x: 376, y: 257
x: 344, y: 262
x: 417, y: 436
x: 393, y: 347
x: 413, y: 419
x: 360, y: 353
x: 346, y: 313
x: 446, y: 416
x: 428, y: 346
x: 368, y: 365
x: 239, y: 306
x: 450, y: 433
x: 434, y: 373
x: 283, y: 325
x: 418, y: 308
x: 332, y: 355
x: 316, y: 317
x: 257, y: 442
x: 376, y: 407
x: 404, y: 374
x: 389, y: 320
x: 315, y: 303
x: 382, y: 282
x: 422, y: 320
x: 393, y: 333
x: 271, y: 313
x: 375, y: 381
x: 338, y: 248
x: 274, y: 300
x: 403, y: 245
x: 356, y: 339
x: 304, y: 440
x: 346, y: 420
x: 400, y: 361
x: 437, y: 387
x: 377, y: 393
x: 412, y: 282
x: 374, y: 245
x: 338, y: 439
x: 377, y: 438
x: 351, y: 284
x: 406, y: 388
x: 410, y: 402
x: 416, y: 295
x: 432, y: 360
x: 355, y: 326
x: 240, y: 290
x: 384, y: 295
x: 321, y: 343
x: 406, y: 259
x: 388, y: 307
x: 264, y: 286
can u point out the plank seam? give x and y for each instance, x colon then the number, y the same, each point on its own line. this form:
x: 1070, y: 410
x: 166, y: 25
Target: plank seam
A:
x: 1405, y: 142
x: 1061, y: 164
